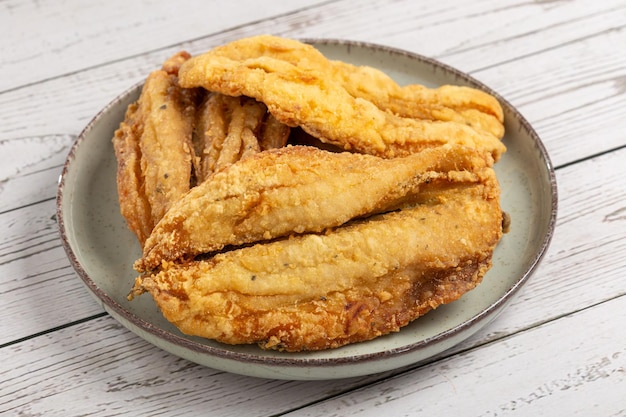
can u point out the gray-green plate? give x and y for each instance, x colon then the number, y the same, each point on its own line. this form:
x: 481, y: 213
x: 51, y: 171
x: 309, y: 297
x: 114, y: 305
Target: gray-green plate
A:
x: 102, y: 250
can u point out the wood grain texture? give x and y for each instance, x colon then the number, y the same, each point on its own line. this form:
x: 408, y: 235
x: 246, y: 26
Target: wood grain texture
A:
x: 100, y: 32
x: 559, y: 343
x: 572, y: 95
x: 548, y: 370
x: 542, y: 82
x: 31, y: 168
x: 114, y: 372
x: 39, y: 290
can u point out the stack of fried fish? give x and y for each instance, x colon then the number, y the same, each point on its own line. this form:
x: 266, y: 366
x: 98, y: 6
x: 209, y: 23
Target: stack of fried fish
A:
x: 299, y: 203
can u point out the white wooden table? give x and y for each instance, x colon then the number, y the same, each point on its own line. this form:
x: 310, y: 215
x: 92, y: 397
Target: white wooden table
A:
x: 558, y: 350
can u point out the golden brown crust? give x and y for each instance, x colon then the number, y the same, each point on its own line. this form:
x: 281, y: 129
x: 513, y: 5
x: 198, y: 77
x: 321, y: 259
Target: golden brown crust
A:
x: 229, y: 129
x: 356, y: 282
x: 166, y: 148
x: 329, y: 103
x: 134, y: 205
x: 300, y: 248
x: 153, y: 148
x: 299, y: 190
x: 446, y: 103
x: 170, y: 140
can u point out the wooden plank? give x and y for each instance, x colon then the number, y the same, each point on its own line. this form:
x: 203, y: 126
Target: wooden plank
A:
x: 576, y: 102
x: 544, y: 90
x: 99, y: 368
x: 102, y: 32
x: 474, y: 31
x: 555, y: 60
x: 39, y: 290
x: 31, y: 168
x: 546, y: 371
x: 525, y: 29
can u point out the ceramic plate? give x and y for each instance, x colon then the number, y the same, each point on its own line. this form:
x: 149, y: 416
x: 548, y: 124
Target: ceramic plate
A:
x: 102, y: 250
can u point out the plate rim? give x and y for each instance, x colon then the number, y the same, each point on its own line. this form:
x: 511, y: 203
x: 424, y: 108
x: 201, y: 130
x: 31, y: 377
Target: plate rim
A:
x: 485, y: 316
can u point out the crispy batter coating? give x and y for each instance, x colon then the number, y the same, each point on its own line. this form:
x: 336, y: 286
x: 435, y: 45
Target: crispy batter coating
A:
x: 154, y: 149
x: 134, y: 205
x: 173, y: 138
x: 298, y: 189
x: 445, y: 103
x: 359, y: 281
x: 232, y: 128
x: 166, y: 148
x: 328, y: 103
x: 302, y: 248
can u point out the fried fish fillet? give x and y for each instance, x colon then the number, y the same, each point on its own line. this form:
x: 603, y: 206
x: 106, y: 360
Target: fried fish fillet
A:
x: 153, y: 147
x: 446, y: 103
x: 232, y: 128
x: 356, y: 282
x: 325, y: 102
x: 300, y: 248
x: 173, y: 138
x: 298, y: 189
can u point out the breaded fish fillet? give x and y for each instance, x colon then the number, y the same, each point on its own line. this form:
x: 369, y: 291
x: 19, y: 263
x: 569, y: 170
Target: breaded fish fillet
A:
x: 299, y: 189
x: 172, y: 138
x: 231, y: 128
x: 153, y: 147
x: 301, y: 248
x: 356, y: 282
x: 446, y: 103
x: 327, y: 104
